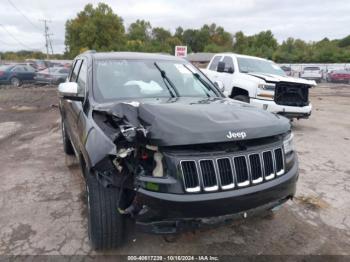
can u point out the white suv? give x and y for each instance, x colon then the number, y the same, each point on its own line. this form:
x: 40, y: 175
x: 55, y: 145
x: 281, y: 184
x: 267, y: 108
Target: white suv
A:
x: 262, y: 83
x: 312, y: 73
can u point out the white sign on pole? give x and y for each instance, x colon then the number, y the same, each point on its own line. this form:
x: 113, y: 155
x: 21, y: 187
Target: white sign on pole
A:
x: 181, y: 51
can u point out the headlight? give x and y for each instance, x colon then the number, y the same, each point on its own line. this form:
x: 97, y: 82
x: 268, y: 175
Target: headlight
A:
x: 267, y: 86
x: 288, y: 144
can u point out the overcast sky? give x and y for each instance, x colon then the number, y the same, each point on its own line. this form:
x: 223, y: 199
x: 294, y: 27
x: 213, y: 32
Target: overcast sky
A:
x: 305, y: 19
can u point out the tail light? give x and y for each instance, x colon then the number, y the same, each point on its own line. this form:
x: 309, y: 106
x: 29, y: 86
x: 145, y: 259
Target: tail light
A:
x: 2, y: 73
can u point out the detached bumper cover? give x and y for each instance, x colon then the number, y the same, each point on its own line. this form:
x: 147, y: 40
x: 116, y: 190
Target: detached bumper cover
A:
x: 271, y: 106
x: 166, y: 213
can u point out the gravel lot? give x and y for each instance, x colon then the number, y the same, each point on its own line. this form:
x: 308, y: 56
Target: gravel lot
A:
x: 42, y: 192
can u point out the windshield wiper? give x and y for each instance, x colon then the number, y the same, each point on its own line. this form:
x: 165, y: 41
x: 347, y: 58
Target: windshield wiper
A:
x: 196, y: 75
x: 167, y: 82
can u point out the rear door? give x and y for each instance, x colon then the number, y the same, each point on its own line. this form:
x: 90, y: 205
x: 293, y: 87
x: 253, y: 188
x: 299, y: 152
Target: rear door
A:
x: 69, y: 106
x: 30, y: 73
x: 19, y: 72
x: 77, y: 106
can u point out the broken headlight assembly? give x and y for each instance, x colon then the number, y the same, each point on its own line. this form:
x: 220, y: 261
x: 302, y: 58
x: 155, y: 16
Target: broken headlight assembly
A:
x: 151, y: 162
x: 288, y: 144
x: 267, y: 86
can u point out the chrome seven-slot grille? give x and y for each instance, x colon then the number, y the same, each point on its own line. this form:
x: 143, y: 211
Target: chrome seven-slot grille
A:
x: 232, y: 171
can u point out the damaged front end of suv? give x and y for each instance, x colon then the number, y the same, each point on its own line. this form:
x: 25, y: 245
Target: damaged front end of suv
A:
x: 160, y: 145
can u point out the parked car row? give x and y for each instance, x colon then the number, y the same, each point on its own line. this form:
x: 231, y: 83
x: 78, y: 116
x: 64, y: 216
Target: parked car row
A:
x: 18, y: 74
x: 320, y: 75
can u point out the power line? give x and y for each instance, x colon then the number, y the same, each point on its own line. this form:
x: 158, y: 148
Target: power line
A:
x: 14, y: 38
x: 5, y: 43
x: 19, y: 11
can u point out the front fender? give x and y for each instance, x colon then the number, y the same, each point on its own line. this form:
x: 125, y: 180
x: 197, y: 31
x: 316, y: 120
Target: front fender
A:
x: 97, y: 146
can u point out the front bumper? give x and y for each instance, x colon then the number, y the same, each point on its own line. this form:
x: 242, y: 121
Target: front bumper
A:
x: 316, y: 78
x: 171, y: 213
x: 288, y: 111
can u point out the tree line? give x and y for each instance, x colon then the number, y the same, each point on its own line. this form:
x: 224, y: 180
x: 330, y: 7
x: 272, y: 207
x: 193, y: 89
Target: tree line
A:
x: 100, y: 29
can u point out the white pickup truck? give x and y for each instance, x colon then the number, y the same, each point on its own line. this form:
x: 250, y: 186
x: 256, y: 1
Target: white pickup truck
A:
x: 261, y: 83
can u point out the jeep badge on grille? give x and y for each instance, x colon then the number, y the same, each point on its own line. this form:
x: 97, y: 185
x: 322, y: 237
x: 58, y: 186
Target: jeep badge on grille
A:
x: 234, y: 135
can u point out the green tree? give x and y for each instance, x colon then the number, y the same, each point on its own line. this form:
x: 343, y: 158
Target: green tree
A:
x: 160, y: 34
x: 95, y: 28
x: 179, y: 33
x: 262, y: 44
x: 140, y: 30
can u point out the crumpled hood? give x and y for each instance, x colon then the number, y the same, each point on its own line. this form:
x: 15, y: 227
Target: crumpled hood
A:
x: 184, y: 121
x: 278, y: 78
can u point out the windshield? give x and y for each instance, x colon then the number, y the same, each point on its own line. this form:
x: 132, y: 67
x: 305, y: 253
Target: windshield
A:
x: 251, y: 65
x: 130, y: 79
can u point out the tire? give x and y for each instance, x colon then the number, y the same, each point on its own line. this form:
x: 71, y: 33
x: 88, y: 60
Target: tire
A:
x: 106, y: 226
x: 242, y: 98
x: 15, y: 82
x: 59, y: 81
x: 67, y: 144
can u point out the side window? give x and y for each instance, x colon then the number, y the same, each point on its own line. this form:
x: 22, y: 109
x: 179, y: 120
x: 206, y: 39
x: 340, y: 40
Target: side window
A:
x: 74, y: 76
x: 64, y: 71
x: 229, y: 67
x: 18, y: 69
x: 30, y: 69
x: 82, y: 78
x: 214, y: 63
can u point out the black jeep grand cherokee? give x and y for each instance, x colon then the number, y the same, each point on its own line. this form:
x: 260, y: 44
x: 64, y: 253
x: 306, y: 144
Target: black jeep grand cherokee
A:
x: 159, y: 145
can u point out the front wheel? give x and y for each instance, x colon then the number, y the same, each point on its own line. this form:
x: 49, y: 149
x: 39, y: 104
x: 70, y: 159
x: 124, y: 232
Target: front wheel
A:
x: 105, y: 224
x: 15, y: 82
x: 242, y: 98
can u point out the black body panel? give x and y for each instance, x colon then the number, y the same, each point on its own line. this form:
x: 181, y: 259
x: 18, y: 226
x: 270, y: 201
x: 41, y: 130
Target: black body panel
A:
x: 189, y: 121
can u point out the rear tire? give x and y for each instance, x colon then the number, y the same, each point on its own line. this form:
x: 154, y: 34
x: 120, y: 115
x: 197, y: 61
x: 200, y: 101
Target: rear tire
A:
x: 59, y: 81
x: 105, y: 224
x: 15, y: 82
x: 242, y: 98
x: 67, y: 144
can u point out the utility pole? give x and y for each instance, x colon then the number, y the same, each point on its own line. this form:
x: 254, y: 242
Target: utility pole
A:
x: 48, y: 44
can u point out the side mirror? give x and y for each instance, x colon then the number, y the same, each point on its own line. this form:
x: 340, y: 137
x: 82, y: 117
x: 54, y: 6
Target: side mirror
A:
x: 220, y: 85
x: 69, y: 90
x: 221, y: 67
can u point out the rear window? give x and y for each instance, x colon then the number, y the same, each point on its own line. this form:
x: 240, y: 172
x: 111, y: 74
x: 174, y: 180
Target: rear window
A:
x: 312, y: 68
